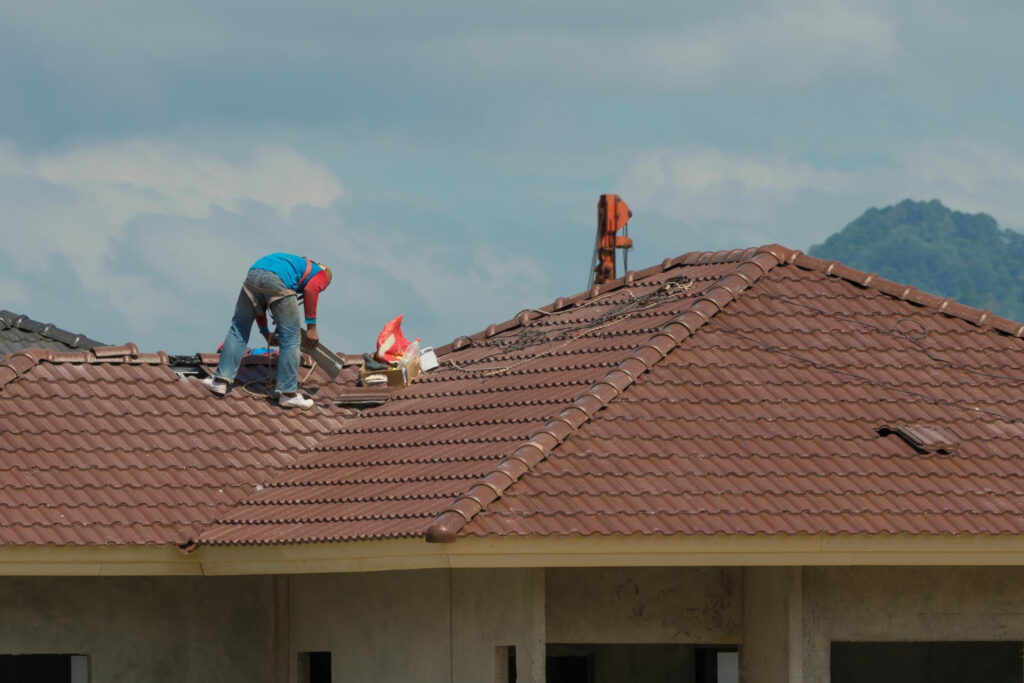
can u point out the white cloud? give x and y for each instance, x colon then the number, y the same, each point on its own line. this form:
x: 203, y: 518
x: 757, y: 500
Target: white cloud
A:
x: 707, y: 185
x: 970, y: 177
x: 86, y: 200
x: 12, y: 294
x: 135, y: 176
x: 163, y: 234
x: 752, y: 199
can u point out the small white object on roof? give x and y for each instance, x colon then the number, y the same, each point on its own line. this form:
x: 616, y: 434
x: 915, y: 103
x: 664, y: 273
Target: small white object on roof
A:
x: 428, y: 359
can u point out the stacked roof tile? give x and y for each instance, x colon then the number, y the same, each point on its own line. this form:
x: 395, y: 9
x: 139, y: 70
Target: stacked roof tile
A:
x: 745, y: 392
x: 20, y: 332
x: 112, y: 447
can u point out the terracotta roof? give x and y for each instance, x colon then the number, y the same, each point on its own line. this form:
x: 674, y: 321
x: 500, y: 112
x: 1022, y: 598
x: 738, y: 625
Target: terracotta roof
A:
x: 113, y: 447
x: 744, y: 392
x: 21, y: 332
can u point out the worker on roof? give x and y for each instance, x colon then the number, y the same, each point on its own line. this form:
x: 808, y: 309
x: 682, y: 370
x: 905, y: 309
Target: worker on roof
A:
x: 278, y: 282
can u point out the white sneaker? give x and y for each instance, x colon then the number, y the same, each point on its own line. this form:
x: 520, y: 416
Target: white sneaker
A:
x: 215, y: 385
x: 296, y: 401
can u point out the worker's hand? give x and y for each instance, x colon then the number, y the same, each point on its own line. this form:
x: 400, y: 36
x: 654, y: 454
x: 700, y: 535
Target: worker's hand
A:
x: 271, y: 338
x: 311, y: 334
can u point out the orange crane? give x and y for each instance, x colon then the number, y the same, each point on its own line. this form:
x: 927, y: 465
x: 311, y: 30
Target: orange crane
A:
x: 612, y: 215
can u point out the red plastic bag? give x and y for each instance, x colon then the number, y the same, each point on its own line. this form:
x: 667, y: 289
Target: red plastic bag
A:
x: 390, y: 342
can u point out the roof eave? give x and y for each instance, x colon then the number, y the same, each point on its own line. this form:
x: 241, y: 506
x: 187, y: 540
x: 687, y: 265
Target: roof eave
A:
x: 474, y: 552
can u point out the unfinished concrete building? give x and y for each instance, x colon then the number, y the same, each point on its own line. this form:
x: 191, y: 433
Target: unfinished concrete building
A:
x: 735, y: 466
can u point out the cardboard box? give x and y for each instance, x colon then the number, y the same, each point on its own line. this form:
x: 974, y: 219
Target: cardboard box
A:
x: 397, y: 377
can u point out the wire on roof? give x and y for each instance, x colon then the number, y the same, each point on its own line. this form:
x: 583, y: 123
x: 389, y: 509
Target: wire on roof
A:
x: 527, y: 337
x: 894, y: 332
x: 868, y: 380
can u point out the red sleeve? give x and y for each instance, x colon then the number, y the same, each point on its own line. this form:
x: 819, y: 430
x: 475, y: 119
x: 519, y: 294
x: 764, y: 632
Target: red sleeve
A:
x: 311, y: 294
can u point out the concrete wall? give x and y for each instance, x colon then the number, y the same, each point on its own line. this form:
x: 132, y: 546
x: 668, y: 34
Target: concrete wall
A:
x: 906, y: 604
x: 398, y: 626
x: 697, y: 606
x: 153, y: 629
x: 440, y: 626
x: 377, y: 626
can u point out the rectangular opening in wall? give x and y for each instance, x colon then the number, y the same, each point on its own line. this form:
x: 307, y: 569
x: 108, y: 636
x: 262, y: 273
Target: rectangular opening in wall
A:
x: 716, y: 664
x: 572, y: 663
x: 505, y: 664
x: 314, y: 667
x: 927, y: 662
x: 44, y: 669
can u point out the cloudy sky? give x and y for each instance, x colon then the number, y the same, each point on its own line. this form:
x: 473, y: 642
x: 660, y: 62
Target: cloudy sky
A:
x: 445, y: 157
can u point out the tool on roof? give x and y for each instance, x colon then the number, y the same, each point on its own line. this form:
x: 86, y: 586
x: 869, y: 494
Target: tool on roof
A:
x: 328, y: 361
x: 612, y: 215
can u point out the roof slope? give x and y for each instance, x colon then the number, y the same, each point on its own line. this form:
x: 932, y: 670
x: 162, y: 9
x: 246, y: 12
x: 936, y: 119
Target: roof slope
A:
x: 20, y: 332
x: 112, y: 447
x: 759, y: 391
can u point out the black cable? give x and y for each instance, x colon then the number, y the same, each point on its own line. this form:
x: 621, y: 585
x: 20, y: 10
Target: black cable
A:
x: 529, y: 336
x: 886, y: 385
x: 916, y: 340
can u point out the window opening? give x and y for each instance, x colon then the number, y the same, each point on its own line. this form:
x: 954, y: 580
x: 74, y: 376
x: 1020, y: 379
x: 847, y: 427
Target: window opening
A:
x: 574, y: 663
x: 44, y: 668
x: 314, y: 667
x: 505, y: 664
x: 927, y: 662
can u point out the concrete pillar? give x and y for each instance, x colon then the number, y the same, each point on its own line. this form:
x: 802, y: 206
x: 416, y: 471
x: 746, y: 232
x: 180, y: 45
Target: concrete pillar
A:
x: 538, y: 627
x: 282, y: 630
x: 795, y: 581
x: 765, y: 655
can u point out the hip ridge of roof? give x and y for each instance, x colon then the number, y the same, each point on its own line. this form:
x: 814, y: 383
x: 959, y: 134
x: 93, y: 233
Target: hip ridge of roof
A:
x: 946, y: 306
x: 14, y: 365
x: 751, y: 265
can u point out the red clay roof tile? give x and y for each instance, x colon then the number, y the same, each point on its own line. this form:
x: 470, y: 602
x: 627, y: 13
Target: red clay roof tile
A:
x: 749, y: 403
x: 112, y: 447
x: 742, y: 392
x: 778, y: 363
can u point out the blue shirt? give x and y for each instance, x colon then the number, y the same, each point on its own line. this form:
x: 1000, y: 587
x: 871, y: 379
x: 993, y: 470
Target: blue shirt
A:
x: 288, y: 267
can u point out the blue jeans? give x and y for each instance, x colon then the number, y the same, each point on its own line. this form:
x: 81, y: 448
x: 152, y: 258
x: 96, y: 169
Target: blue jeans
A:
x: 287, y: 319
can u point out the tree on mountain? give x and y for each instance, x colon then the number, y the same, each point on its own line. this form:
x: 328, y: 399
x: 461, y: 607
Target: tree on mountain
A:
x: 966, y: 257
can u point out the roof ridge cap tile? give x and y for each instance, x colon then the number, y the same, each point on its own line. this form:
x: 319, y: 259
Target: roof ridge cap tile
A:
x: 14, y: 365
x: 946, y: 306
x: 23, y: 322
x: 691, y: 258
x: 458, y: 514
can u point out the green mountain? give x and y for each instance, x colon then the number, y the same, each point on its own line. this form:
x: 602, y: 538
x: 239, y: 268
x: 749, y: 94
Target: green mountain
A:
x: 966, y: 257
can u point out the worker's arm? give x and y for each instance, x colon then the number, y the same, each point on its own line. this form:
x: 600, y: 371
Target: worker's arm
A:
x: 310, y: 296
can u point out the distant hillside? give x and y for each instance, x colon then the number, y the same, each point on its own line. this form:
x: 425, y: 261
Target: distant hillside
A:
x: 963, y: 256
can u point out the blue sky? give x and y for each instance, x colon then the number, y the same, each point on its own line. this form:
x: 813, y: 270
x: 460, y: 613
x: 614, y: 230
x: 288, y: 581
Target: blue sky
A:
x: 445, y: 158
